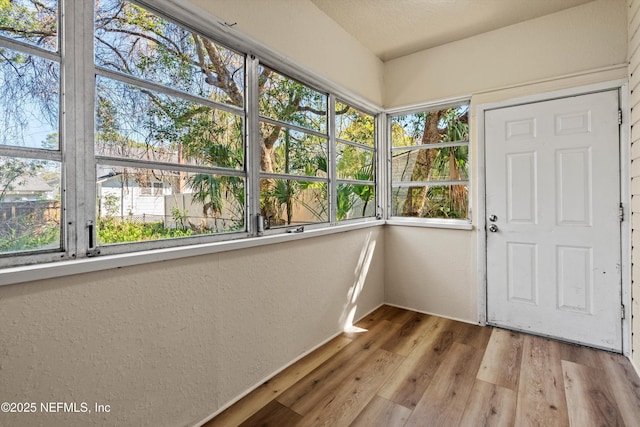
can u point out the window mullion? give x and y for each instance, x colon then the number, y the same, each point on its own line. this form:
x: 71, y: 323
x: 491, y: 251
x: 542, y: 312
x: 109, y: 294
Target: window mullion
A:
x: 252, y: 144
x: 332, y: 160
x: 78, y: 125
x: 385, y: 168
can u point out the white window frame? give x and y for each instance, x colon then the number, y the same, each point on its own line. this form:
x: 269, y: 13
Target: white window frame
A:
x: 78, y: 73
x: 459, y: 224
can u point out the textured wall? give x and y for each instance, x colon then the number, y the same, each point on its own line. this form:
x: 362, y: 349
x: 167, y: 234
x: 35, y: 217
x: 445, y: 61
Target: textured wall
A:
x: 430, y: 270
x: 574, y: 40
x: 168, y: 343
x: 634, y: 85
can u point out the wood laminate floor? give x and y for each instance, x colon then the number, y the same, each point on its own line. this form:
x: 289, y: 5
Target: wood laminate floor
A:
x: 412, y: 369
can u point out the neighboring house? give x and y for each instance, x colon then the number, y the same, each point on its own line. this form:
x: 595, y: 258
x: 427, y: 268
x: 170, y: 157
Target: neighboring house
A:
x: 122, y: 195
x: 28, y: 188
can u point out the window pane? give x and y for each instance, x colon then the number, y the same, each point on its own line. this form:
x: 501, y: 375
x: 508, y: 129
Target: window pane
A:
x: 30, y: 209
x: 354, y: 125
x: 450, y: 124
x: 293, y: 152
x: 448, y: 163
x: 354, y: 162
x: 289, y: 101
x: 355, y: 201
x: 434, y: 201
x: 29, y: 100
x: 140, y: 124
x: 181, y: 204
x: 289, y: 202
x: 31, y: 21
x: 134, y: 41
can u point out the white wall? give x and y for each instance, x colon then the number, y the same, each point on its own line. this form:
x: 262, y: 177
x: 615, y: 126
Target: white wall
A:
x: 300, y: 31
x: 169, y: 343
x: 574, y: 40
x: 571, y: 48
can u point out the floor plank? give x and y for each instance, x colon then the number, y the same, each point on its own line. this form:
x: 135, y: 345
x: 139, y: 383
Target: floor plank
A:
x: 274, y: 414
x: 444, y: 400
x: 385, y: 312
x: 579, y: 354
x: 411, y: 333
x: 345, y: 402
x: 541, y: 397
x: 272, y: 388
x: 412, y: 378
x: 306, y: 393
x: 474, y: 335
x: 502, y: 359
x: 624, y: 384
x: 489, y: 405
x: 589, y: 401
x: 381, y: 412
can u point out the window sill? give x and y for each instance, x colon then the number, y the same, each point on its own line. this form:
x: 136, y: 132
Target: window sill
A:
x: 29, y: 273
x: 453, y: 224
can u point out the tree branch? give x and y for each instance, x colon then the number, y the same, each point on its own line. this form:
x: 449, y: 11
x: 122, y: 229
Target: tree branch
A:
x: 224, y: 79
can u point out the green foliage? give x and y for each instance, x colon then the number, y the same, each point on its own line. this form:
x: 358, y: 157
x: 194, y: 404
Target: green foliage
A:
x: 23, y: 236
x: 113, y: 230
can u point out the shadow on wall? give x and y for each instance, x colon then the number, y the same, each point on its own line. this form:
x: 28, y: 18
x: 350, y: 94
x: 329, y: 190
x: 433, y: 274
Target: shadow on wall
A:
x: 360, y: 275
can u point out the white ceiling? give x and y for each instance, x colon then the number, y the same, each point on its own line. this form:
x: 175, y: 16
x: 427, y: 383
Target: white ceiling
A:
x: 394, y: 28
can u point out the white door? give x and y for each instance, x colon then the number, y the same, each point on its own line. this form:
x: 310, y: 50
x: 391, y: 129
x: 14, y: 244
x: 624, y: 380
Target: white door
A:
x: 553, y: 219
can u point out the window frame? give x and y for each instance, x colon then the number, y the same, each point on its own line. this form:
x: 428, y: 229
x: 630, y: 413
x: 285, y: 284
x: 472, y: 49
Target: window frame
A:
x: 65, y: 250
x: 78, y: 74
x: 375, y: 150
x: 458, y: 223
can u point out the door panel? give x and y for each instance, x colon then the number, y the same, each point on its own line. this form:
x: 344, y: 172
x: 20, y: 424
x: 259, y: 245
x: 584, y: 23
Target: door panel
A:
x: 552, y: 199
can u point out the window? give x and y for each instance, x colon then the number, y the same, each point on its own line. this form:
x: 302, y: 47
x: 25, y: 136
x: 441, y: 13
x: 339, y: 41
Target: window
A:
x: 165, y: 95
x: 31, y: 206
x: 429, y: 163
x: 182, y: 139
x: 355, y: 163
x: 294, y: 180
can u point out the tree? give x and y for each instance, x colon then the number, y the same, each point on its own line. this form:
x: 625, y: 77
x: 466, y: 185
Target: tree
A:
x: 433, y: 164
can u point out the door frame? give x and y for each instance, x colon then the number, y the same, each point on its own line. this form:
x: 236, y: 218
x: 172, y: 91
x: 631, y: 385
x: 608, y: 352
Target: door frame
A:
x: 625, y: 191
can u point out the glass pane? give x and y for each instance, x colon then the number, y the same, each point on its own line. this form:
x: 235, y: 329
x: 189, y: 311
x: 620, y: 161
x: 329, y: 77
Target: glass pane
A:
x: 140, y: 124
x: 354, y: 125
x: 289, y: 101
x: 448, y: 163
x: 356, y: 201
x: 289, y: 202
x: 450, y: 124
x: 29, y: 100
x: 136, y: 204
x: 31, y: 21
x: 435, y: 201
x: 354, y: 162
x: 30, y: 208
x: 134, y: 41
x: 289, y: 151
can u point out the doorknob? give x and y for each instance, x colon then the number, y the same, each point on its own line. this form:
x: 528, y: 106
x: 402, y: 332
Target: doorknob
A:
x: 493, y: 228
x: 493, y: 218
